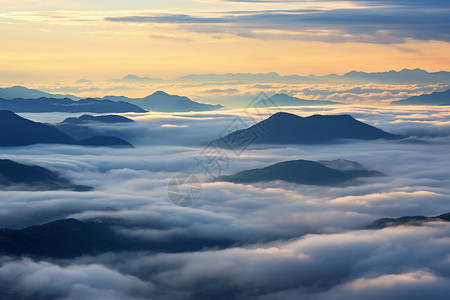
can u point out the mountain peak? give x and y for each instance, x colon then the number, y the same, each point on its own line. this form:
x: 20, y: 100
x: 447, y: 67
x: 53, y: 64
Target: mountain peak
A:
x: 416, y: 70
x: 287, y: 128
x: 131, y: 77
x: 336, y: 117
x: 159, y: 94
x: 283, y: 116
x: 300, y: 172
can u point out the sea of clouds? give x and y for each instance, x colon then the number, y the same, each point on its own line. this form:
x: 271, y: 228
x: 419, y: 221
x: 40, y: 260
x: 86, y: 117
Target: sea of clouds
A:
x: 286, y: 241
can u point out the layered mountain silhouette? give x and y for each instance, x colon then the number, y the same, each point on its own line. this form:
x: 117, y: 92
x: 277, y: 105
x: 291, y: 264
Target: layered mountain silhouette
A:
x: 22, y: 99
x: 302, y: 172
x: 285, y: 100
x: 26, y: 93
x: 405, y: 76
x: 407, y: 221
x: 163, y: 102
x: 68, y: 238
x: 16, y: 176
x: 68, y: 105
x: 18, y: 131
x: 286, y: 128
x: 437, y: 98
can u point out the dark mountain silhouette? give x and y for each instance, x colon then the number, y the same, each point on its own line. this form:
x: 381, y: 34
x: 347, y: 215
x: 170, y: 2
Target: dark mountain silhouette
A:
x: 62, y: 238
x: 408, y: 221
x: 437, y: 98
x: 68, y: 105
x: 85, y: 127
x: 15, y: 92
x: 18, y: 131
x: 105, y: 141
x: 300, y: 172
x: 285, y: 100
x: 285, y: 128
x: 163, y: 102
x: 15, y: 176
x: 100, y: 119
x: 405, y: 76
x: 68, y: 238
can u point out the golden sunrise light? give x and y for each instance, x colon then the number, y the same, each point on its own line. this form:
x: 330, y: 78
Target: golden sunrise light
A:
x: 224, y: 149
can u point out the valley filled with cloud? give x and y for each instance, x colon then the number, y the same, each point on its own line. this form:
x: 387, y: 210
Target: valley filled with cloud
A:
x: 268, y: 240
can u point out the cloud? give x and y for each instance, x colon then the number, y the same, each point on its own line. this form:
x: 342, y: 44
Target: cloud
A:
x: 351, y: 265
x: 382, y: 23
x: 44, y: 279
x: 217, y: 91
x: 170, y: 38
x: 173, y: 126
x: 167, y: 18
x: 288, y: 241
x: 83, y: 81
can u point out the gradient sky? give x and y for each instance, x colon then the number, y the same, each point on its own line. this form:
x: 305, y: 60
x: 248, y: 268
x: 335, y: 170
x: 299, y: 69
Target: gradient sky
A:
x: 68, y: 40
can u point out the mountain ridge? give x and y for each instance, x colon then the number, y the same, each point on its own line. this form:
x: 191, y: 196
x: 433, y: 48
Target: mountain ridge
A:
x: 285, y: 128
x: 300, y: 172
x: 16, y: 176
x: 18, y: 91
x: 436, y: 98
x: 163, y: 102
x: 68, y: 105
x: 406, y: 221
x: 404, y: 76
x: 17, y: 131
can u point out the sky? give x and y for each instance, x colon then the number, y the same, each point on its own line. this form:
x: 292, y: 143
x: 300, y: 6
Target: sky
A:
x: 289, y: 241
x: 69, y: 40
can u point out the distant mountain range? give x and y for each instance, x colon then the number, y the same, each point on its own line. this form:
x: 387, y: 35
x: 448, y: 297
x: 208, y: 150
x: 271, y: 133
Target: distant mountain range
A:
x: 15, y: 176
x: 163, y: 102
x: 286, y: 128
x: 285, y: 100
x: 68, y: 105
x: 21, y: 99
x: 405, y: 76
x: 18, y: 131
x: 407, y: 221
x: 303, y: 172
x: 26, y: 93
x: 437, y: 98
